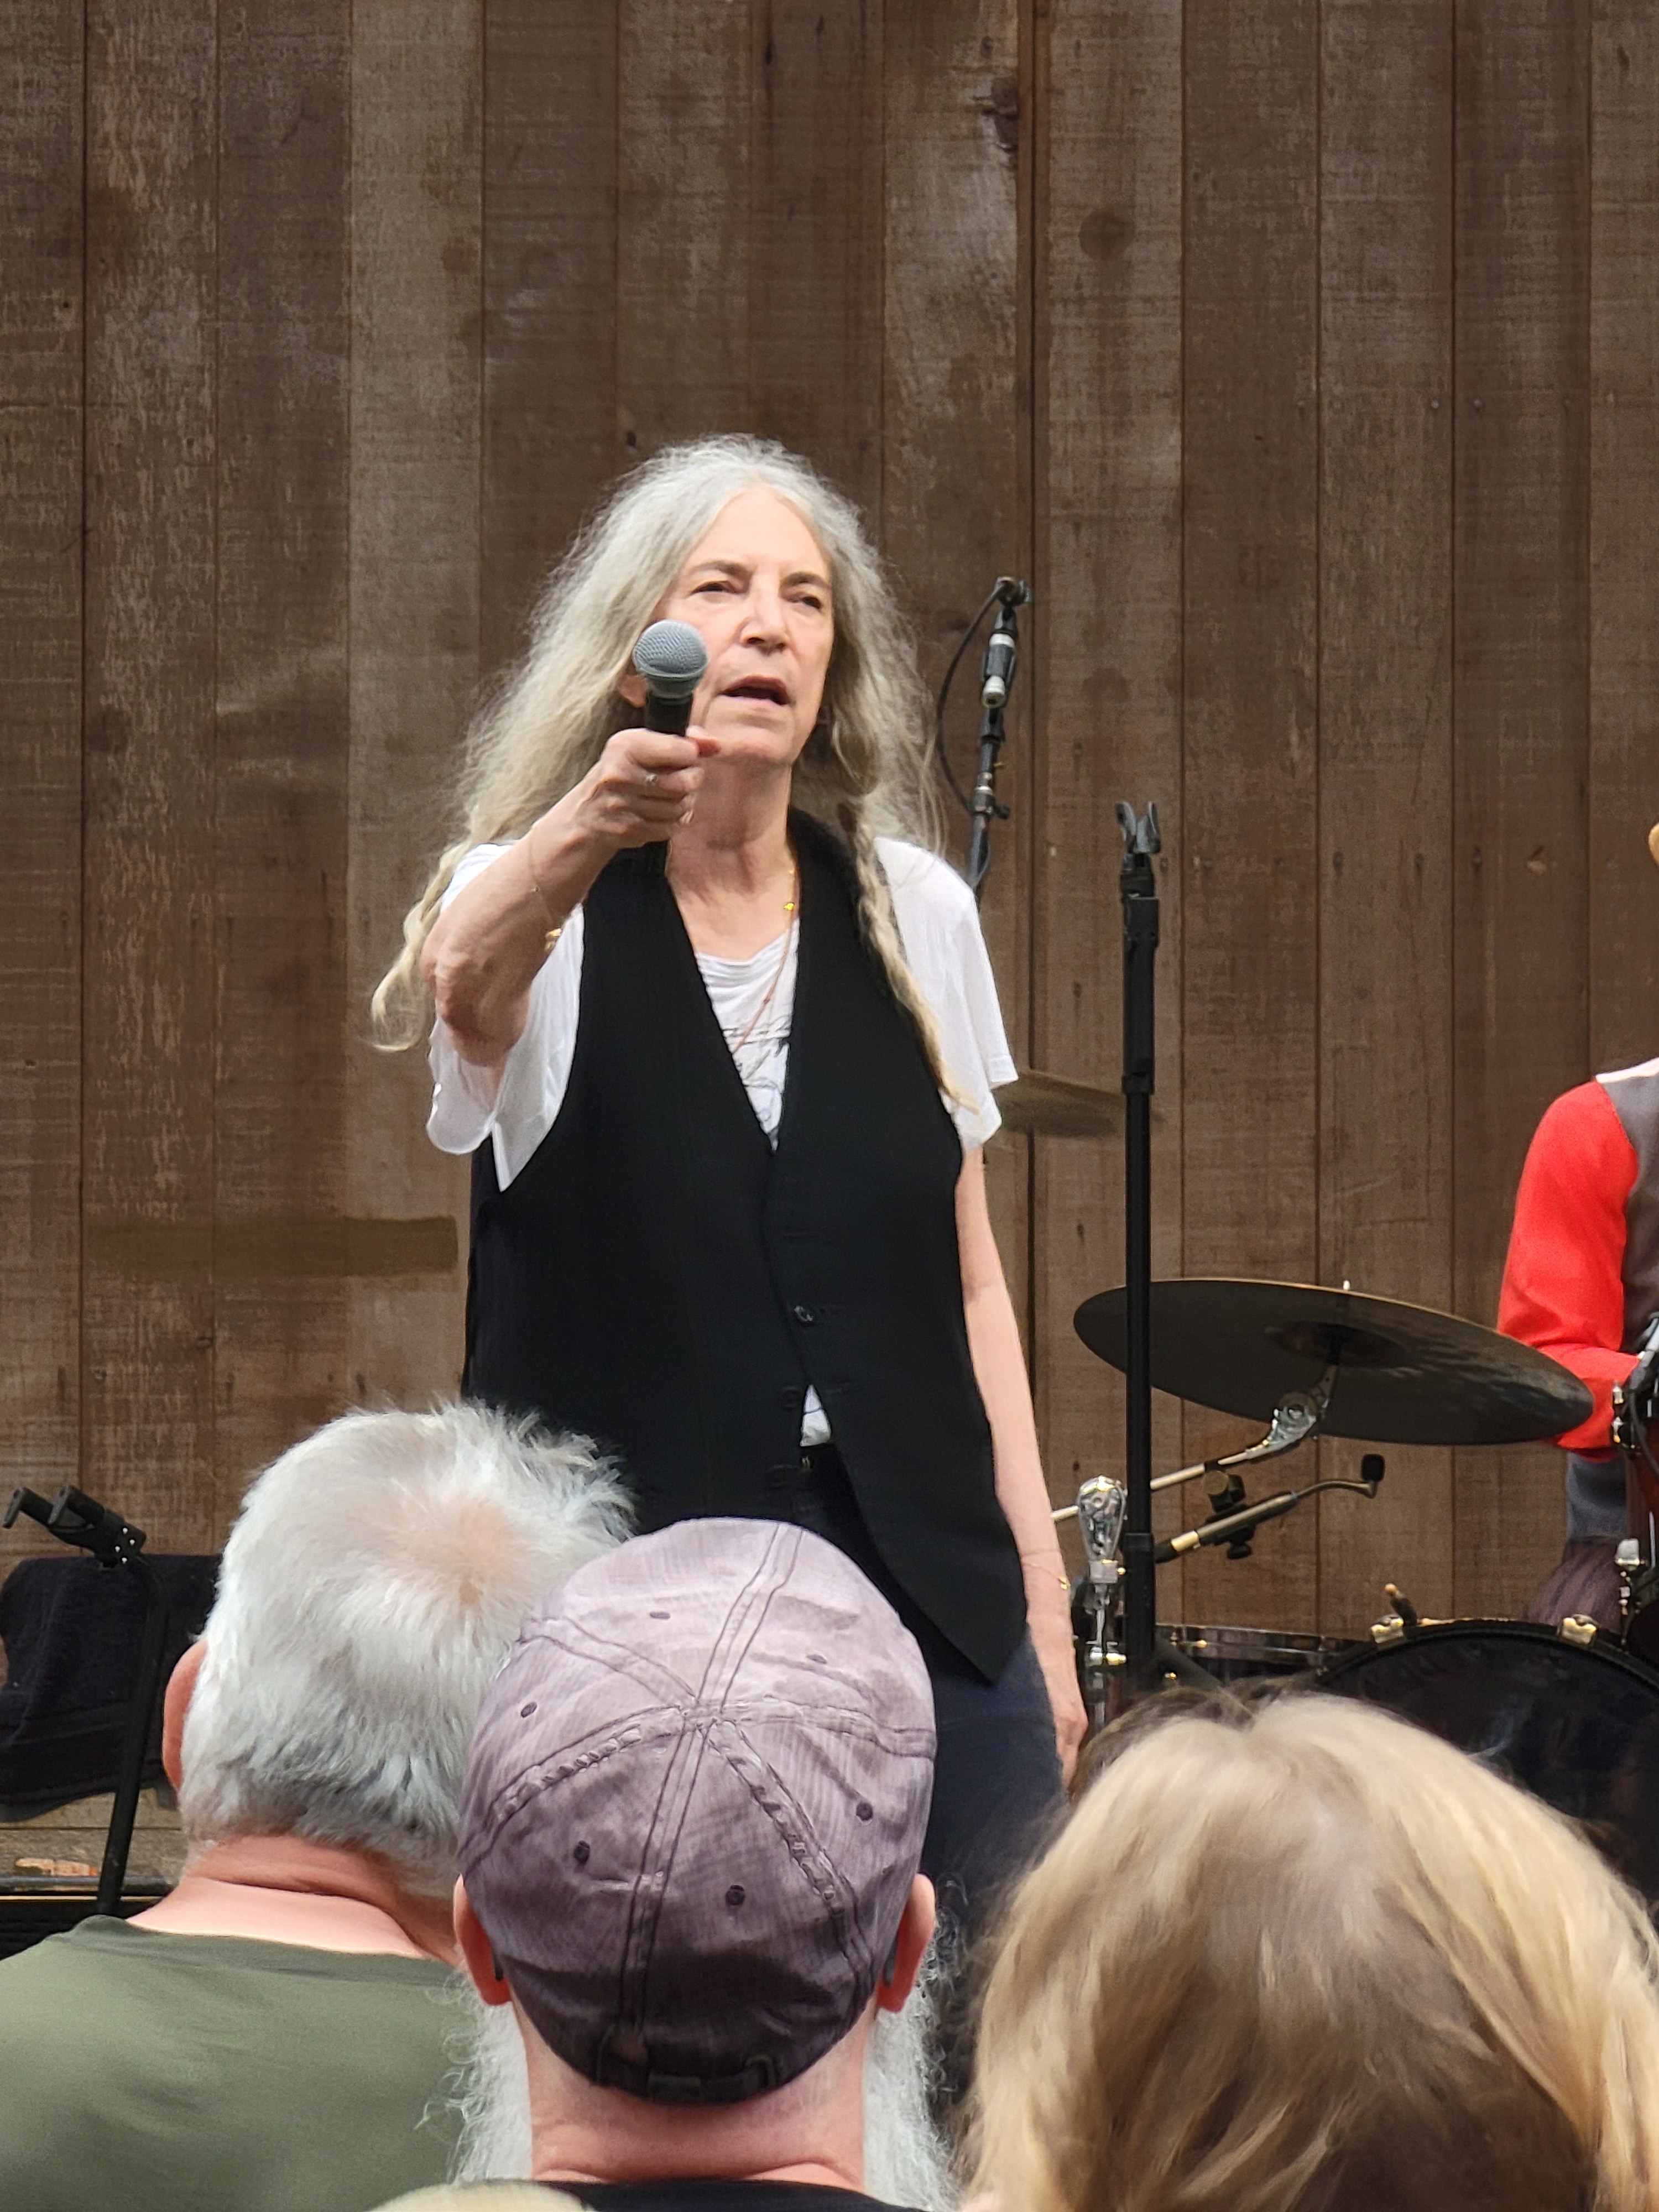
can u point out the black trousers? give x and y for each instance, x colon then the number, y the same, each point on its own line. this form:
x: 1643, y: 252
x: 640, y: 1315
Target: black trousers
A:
x: 997, y: 1794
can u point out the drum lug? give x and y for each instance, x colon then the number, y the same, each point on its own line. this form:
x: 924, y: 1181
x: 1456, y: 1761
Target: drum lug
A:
x: 1391, y: 1631
x: 1578, y: 1628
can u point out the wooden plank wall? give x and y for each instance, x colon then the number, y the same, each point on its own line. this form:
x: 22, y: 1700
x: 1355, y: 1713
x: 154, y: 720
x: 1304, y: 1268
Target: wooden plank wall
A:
x: 1304, y: 357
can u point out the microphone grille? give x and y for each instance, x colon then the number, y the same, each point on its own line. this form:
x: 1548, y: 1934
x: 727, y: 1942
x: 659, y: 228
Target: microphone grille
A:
x: 672, y: 657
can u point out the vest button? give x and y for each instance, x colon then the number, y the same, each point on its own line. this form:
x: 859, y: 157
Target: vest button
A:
x: 805, y: 1314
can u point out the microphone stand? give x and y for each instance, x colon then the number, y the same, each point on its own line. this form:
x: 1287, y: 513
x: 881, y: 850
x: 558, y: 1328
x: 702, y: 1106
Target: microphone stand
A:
x: 996, y: 681
x: 1137, y: 889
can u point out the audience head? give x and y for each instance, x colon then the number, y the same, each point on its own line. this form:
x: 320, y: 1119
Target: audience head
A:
x: 1302, y: 1957
x: 371, y: 1586
x: 693, y: 1814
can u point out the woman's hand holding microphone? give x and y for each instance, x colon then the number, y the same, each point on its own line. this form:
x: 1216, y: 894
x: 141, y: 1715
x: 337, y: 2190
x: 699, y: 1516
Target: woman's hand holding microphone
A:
x: 643, y: 787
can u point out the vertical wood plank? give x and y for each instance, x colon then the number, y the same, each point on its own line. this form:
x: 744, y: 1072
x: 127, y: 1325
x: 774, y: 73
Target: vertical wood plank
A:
x: 148, y: 769
x: 549, y: 432
x: 1249, y: 854
x: 41, y: 343
x: 1385, y: 742
x: 1107, y: 373
x: 816, y: 237
x: 685, y: 95
x: 281, y: 783
x: 1520, y: 613
x: 416, y: 153
x: 1624, y: 497
x: 953, y: 423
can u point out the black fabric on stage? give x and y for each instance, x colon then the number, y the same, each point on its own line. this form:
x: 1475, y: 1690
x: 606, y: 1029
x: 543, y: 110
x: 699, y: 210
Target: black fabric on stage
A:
x: 71, y: 1631
x: 658, y: 1277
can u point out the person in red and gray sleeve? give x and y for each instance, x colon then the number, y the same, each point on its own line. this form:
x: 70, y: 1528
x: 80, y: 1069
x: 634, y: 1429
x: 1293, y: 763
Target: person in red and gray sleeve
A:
x: 1581, y: 1283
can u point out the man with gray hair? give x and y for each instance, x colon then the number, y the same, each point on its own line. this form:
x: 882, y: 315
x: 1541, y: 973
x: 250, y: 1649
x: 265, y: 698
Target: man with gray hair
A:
x: 693, y: 1817
x: 274, y: 2033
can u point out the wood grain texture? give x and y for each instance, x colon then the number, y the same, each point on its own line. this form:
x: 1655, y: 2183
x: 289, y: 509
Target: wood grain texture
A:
x: 281, y: 762
x: 1152, y: 302
x: 548, y: 431
x: 147, y: 1357
x: 952, y: 428
x: 1520, y: 592
x: 1624, y: 497
x: 1385, y: 742
x: 41, y: 341
x: 1249, y: 879
x: 684, y: 97
x: 815, y: 236
x: 416, y: 95
x: 1108, y: 490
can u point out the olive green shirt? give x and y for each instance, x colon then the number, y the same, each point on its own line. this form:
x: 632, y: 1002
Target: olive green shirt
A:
x: 165, y: 2073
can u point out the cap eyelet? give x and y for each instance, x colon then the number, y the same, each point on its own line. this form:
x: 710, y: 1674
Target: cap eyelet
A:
x: 525, y: 1711
x: 580, y: 1855
x: 734, y: 1896
x: 864, y: 1810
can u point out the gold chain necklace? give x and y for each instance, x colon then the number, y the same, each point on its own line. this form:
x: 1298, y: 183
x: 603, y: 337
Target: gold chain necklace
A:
x: 790, y: 905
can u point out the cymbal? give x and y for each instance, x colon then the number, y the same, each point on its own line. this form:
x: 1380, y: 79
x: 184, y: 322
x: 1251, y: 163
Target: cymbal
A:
x: 1405, y: 1375
x: 1038, y: 1105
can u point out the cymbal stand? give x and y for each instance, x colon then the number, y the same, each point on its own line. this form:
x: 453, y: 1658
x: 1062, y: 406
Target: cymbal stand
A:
x: 1295, y: 1417
x: 1137, y: 889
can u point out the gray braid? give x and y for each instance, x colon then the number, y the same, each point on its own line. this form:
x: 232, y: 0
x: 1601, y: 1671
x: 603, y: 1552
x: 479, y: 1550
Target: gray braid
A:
x: 879, y: 924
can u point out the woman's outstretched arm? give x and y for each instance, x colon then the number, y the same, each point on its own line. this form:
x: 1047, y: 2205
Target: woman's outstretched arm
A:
x: 484, y: 950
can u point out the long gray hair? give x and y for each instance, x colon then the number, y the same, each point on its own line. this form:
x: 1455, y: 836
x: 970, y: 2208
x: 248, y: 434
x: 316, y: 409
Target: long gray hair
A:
x: 865, y: 771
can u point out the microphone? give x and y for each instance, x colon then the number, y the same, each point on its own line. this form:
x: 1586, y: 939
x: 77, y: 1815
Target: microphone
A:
x: 996, y: 671
x: 673, y: 659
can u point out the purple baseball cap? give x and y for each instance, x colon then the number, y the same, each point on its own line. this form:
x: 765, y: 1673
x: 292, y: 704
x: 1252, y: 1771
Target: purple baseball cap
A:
x: 694, y: 1807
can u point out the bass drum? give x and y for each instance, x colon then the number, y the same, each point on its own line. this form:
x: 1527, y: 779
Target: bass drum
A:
x: 1575, y: 1724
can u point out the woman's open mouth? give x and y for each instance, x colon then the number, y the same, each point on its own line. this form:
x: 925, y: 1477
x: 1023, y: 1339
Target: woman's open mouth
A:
x: 772, y: 689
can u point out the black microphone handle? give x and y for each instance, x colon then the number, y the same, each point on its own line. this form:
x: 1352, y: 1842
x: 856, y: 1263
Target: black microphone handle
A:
x: 668, y: 717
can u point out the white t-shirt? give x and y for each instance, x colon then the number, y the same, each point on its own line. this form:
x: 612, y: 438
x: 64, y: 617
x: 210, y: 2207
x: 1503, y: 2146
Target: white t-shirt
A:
x: 938, y: 924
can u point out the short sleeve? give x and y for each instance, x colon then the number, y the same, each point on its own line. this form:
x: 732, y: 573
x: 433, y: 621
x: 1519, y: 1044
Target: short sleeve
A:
x: 938, y: 924
x: 517, y: 1112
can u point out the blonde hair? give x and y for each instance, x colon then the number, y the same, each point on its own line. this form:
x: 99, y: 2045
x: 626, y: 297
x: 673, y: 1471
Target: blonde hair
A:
x: 865, y: 771
x: 1303, y: 1957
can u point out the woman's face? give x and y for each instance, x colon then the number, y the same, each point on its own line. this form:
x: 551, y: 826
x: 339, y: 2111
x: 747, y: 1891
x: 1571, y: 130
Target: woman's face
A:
x: 756, y: 585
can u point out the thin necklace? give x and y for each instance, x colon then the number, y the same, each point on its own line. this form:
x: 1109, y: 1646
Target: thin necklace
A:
x: 789, y: 907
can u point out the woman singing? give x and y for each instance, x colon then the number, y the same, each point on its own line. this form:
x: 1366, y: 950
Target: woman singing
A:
x: 719, y: 1029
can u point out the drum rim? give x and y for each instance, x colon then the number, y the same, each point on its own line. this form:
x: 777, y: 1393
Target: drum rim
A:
x: 1602, y: 1647
x: 1292, y: 1639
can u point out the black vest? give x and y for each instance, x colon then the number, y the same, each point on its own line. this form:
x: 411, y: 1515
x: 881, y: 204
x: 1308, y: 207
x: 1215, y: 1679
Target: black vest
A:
x: 658, y: 1277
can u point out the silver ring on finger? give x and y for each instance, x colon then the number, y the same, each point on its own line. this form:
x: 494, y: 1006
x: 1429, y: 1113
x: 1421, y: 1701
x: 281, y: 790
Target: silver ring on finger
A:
x: 651, y: 778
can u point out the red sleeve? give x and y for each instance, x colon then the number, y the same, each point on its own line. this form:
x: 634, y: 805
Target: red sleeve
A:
x: 1564, y: 1287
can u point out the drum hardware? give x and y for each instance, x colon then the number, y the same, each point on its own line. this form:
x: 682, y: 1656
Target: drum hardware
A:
x: 1578, y: 1628
x: 1401, y: 1621
x: 1235, y: 1529
x: 1627, y: 1561
x: 1295, y: 1418
x: 1635, y: 1409
x: 1097, y: 1597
